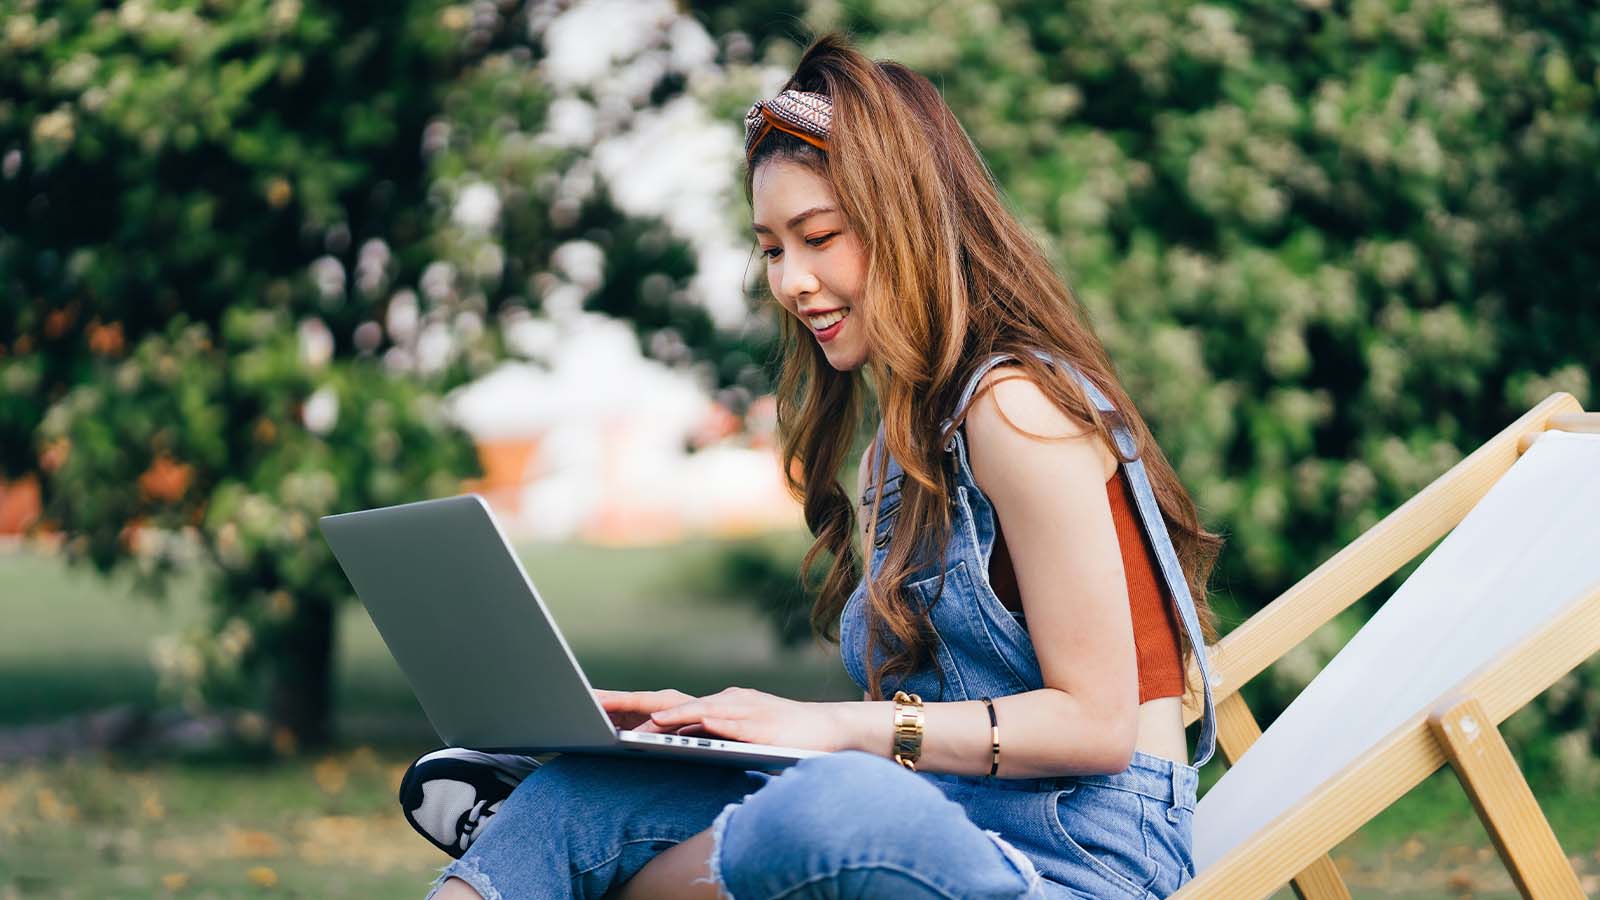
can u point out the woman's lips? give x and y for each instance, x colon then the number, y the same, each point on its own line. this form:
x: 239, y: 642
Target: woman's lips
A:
x: 832, y: 331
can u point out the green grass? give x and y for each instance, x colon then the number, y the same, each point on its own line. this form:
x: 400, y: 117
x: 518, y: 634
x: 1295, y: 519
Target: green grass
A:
x: 76, y: 642
x: 327, y: 826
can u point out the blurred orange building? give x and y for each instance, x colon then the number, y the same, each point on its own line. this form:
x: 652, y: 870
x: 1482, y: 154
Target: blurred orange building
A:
x: 606, y: 446
x: 19, y: 505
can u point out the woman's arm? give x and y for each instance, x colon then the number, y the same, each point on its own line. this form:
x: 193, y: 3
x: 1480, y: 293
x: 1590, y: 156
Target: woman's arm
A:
x: 1042, y: 733
x: 1050, y: 496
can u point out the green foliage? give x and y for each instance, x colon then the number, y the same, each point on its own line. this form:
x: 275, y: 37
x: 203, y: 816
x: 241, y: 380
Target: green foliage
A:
x: 204, y: 209
x: 226, y: 452
x: 211, y: 217
x: 184, y: 157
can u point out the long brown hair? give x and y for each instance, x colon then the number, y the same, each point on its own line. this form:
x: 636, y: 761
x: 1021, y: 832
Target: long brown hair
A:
x: 951, y: 277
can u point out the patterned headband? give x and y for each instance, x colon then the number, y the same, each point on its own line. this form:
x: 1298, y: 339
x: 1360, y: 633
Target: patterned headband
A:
x: 805, y: 115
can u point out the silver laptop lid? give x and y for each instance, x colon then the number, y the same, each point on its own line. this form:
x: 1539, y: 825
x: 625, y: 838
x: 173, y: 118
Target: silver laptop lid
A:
x: 470, y: 632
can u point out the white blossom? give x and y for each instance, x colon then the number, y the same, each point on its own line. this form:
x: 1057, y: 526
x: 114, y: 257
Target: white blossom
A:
x: 434, y: 346
x: 372, y: 266
x: 570, y: 122
x: 401, y: 318
x: 582, y: 262
x: 438, y: 280
x: 477, y: 207
x: 584, y: 42
x: 316, y: 343
x: 321, y: 411
x: 328, y: 275
x: 368, y: 335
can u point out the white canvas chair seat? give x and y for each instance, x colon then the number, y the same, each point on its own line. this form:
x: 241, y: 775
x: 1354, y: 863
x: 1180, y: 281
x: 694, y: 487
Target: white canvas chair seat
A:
x: 1505, y: 605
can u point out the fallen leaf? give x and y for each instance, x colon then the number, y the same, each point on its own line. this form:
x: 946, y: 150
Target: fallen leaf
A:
x: 1458, y: 855
x: 363, y: 758
x: 175, y: 881
x: 52, y: 809
x: 330, y: 775
x: 284, y: 742
x: 245, y: 843
x: 262, y: 876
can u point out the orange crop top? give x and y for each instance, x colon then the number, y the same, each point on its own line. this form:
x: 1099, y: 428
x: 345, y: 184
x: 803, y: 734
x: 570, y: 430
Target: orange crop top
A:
x: 1155, y: 625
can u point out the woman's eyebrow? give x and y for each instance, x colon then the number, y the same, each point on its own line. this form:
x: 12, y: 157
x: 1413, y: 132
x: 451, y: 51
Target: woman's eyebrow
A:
x: 796, y: 220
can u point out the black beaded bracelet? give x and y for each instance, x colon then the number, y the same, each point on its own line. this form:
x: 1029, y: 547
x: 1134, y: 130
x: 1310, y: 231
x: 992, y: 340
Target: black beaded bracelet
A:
x: 994, y: 736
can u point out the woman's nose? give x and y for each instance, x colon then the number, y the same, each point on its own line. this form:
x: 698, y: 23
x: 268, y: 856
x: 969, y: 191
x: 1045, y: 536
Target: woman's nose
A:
x: 798, y: 282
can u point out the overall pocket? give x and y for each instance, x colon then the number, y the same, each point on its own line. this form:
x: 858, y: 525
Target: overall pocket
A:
x: 1102, y: 830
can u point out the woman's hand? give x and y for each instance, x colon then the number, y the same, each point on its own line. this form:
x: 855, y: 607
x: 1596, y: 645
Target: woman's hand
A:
x: 630, y: 710
x: 742, y: 714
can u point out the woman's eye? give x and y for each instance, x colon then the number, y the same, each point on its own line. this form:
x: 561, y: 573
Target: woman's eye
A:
x: 772, y: 252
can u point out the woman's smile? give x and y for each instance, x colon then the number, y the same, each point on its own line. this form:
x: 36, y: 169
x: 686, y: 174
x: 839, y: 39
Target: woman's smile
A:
x: 827, y: 325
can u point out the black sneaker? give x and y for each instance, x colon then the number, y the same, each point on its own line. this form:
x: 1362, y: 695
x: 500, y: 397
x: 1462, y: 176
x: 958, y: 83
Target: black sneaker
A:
x: 449, y: 795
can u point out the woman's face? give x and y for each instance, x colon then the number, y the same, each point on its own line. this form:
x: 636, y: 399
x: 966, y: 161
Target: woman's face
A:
x: 815, y: 263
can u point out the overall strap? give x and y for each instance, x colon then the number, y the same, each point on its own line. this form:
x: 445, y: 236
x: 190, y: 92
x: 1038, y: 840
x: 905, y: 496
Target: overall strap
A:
x: 891, y: 466
x: 1155, y: 528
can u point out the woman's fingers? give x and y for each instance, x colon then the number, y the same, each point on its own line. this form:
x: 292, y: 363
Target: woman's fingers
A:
x: 680, y: 714
x: 640, y: 701
x: 632, y: 709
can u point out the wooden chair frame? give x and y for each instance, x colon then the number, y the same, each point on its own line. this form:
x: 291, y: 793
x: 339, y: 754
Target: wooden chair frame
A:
x: 1461, y: 729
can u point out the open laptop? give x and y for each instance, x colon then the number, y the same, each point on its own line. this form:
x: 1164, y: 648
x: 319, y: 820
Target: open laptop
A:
x: 478, y: 645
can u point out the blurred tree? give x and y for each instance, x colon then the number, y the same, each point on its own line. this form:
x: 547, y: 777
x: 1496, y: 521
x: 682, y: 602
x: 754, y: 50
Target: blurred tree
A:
x: 202, y: 213
x: 245, y: 248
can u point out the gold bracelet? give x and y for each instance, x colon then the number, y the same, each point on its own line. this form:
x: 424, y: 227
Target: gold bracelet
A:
x: 907, y: 729
x: 994, y: 736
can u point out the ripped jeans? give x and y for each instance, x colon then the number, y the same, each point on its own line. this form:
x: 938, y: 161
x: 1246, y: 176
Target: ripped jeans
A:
x: 846, y: 824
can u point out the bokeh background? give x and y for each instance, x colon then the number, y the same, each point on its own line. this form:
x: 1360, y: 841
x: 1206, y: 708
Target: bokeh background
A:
x: 263, y: 260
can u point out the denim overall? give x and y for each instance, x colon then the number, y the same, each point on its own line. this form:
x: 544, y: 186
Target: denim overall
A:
x: 855, y: 824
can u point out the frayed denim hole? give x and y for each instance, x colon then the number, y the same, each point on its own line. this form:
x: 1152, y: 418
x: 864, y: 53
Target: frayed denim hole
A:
x: 719, y: 827
x: 1024, y: 865
x: 467, y: 870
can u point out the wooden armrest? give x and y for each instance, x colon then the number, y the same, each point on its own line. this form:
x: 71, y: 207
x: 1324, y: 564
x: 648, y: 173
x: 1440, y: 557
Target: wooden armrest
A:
x: 1378, y: 553
x: 1577, y: 423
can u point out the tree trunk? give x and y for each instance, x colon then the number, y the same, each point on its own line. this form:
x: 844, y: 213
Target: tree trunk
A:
x: 300, y: 679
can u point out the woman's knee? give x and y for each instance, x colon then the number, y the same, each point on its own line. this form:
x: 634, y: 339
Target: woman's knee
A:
x: 860, y: 825
x: 841, y: 799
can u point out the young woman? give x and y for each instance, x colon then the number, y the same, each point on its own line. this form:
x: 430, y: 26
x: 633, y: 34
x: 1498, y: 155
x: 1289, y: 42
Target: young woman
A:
x: 1035, y: 578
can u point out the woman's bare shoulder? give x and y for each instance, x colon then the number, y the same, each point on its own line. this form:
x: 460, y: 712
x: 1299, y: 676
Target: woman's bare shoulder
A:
x: 1012, y: 413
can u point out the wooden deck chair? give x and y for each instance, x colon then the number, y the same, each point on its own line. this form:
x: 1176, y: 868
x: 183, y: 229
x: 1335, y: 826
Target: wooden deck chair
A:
x: 1507, y: 604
